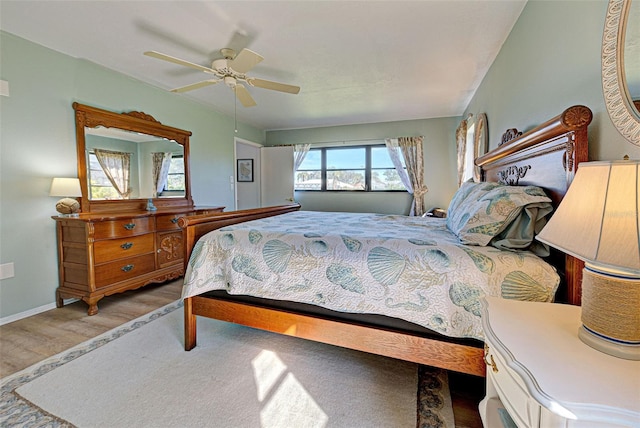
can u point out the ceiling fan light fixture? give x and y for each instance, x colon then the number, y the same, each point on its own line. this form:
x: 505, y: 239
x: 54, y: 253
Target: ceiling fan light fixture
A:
x: 230, y: 81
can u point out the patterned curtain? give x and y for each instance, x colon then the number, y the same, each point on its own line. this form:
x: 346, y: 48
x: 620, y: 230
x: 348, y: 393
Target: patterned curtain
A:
x: 117, y: 168
x: 461, y: 147
x: 299, y: 153
x: 412, y: 152
x: 161, y: 163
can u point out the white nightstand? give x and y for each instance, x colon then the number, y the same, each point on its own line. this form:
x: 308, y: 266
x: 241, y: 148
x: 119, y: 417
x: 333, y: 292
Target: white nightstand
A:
x: 539, y: 374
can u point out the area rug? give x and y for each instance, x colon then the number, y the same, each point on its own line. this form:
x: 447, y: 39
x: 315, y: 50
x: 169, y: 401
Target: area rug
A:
x: 138, y: 375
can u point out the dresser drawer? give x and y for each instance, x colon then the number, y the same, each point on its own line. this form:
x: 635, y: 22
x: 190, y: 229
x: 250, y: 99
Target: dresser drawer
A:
x: 110, y: 273
x: 122, y: 228
x: 512, y: 392
x: 168, y: 222
x: 114, y: 249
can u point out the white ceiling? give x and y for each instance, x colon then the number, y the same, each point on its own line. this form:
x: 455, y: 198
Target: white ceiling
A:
x: 356, y: 61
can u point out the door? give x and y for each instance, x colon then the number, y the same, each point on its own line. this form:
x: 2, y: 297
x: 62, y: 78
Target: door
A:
x: 276, y: 175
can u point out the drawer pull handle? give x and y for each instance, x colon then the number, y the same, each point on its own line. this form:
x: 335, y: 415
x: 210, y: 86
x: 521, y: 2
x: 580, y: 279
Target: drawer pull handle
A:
x: 129, y: 226
x: 127, y: 268
x: 126, y: 245
x: 491, y: 363
x: 175, y: 220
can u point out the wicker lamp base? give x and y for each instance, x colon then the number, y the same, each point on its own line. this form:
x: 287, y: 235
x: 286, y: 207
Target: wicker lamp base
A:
x: 611, y: 314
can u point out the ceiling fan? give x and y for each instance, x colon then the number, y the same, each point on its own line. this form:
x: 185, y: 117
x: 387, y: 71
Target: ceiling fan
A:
x: 230, y: 69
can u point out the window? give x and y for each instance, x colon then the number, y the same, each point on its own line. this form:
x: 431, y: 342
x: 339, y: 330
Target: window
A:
x: 100, y: 186
x: 175, y: 178
x: 355, y: 168
x: 469, y: 154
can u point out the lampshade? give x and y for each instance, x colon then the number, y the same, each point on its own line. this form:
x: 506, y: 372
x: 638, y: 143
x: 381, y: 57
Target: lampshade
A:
x: 67, y: 187
x: 598, y: 220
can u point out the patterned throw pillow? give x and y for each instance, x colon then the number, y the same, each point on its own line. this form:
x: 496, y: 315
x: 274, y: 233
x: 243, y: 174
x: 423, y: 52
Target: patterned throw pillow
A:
x: 457, y: 209
x: 491, y: 208
x: 460, y: 196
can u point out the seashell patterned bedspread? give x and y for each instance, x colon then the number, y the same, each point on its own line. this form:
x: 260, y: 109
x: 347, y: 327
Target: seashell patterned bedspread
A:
x: 411, y: 268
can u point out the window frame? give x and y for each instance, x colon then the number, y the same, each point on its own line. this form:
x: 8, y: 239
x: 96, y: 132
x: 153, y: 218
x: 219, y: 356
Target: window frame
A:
x: 368, y: 169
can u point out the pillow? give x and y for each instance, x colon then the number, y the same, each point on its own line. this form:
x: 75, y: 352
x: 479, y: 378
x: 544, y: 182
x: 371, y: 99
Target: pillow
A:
x: 468, y: 190
x: 520, y: 233
x: 491, y: 209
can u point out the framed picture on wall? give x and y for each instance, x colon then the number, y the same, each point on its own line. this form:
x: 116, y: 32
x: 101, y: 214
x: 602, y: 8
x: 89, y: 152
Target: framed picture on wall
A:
x: 245, y: 170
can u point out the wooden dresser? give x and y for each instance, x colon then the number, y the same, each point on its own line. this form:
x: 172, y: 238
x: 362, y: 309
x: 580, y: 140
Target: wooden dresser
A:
x: 100, y: 254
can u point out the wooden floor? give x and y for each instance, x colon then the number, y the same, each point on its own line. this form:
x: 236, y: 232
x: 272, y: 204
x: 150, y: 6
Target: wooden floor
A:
x: 30, y: 340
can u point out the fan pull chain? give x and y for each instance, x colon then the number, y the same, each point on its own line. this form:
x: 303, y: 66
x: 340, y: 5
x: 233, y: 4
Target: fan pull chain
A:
x: 235, y: 107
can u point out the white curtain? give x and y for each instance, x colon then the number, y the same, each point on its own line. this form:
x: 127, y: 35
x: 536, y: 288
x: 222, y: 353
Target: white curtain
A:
x: 117, y: 168
x: 413, y: 176
x: 393, y: 147
x: 299, y: 153
x: 161, y: 163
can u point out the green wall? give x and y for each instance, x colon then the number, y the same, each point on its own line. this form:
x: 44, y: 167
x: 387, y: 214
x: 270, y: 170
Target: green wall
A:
x: 37, y: 142
x: 439, y: 157
x: 551, y: 61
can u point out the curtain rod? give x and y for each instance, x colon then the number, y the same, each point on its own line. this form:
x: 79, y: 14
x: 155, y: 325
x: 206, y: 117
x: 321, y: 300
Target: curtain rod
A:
x: 338, y: 142
x: 332, y: 142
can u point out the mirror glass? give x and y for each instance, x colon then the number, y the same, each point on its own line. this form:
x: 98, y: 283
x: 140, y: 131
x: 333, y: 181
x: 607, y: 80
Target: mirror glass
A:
x: 632, y: 55
x: 141, y: 148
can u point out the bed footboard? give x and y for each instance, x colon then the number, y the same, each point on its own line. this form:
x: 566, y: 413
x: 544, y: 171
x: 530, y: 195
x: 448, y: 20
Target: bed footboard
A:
x: 193, y: 227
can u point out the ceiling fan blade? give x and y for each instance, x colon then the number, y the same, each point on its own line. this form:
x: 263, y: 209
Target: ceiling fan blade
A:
x: 274, y: 86
x: 241, y: 38
x: 179, y: 61
x: 244, y: 96
x: 193, y: 86
x: 245, y: 61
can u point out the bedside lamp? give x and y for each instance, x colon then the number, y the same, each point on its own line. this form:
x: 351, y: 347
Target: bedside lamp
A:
x: 68, y: 188
x: 598, y: 222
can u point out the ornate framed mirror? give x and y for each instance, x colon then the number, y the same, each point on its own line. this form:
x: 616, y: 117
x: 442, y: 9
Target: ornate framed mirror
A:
x: 621, y: 67
x: 125, y: 159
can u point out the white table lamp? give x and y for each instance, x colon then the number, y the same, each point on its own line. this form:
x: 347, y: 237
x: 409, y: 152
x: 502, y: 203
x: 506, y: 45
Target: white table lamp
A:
x: 68, y: 188
x: 598, y: 221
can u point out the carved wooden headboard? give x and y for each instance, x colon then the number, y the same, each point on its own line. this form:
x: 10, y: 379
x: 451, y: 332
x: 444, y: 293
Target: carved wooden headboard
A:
x: 547, y: 156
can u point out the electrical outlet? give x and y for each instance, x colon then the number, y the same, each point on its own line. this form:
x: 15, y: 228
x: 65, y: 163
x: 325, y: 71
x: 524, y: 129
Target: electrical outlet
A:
x: 4, y: 88
x: 6, y: 271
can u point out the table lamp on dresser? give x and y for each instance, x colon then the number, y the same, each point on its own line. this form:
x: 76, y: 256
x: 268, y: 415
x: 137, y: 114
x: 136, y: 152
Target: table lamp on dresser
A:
x: 598, y: 221
x: 67, y: 188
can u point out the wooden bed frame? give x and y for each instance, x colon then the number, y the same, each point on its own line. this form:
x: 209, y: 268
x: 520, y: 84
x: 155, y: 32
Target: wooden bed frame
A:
x: 547, y: 156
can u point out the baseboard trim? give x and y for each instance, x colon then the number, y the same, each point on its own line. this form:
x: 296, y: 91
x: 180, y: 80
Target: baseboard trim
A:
x: 31, y: 312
